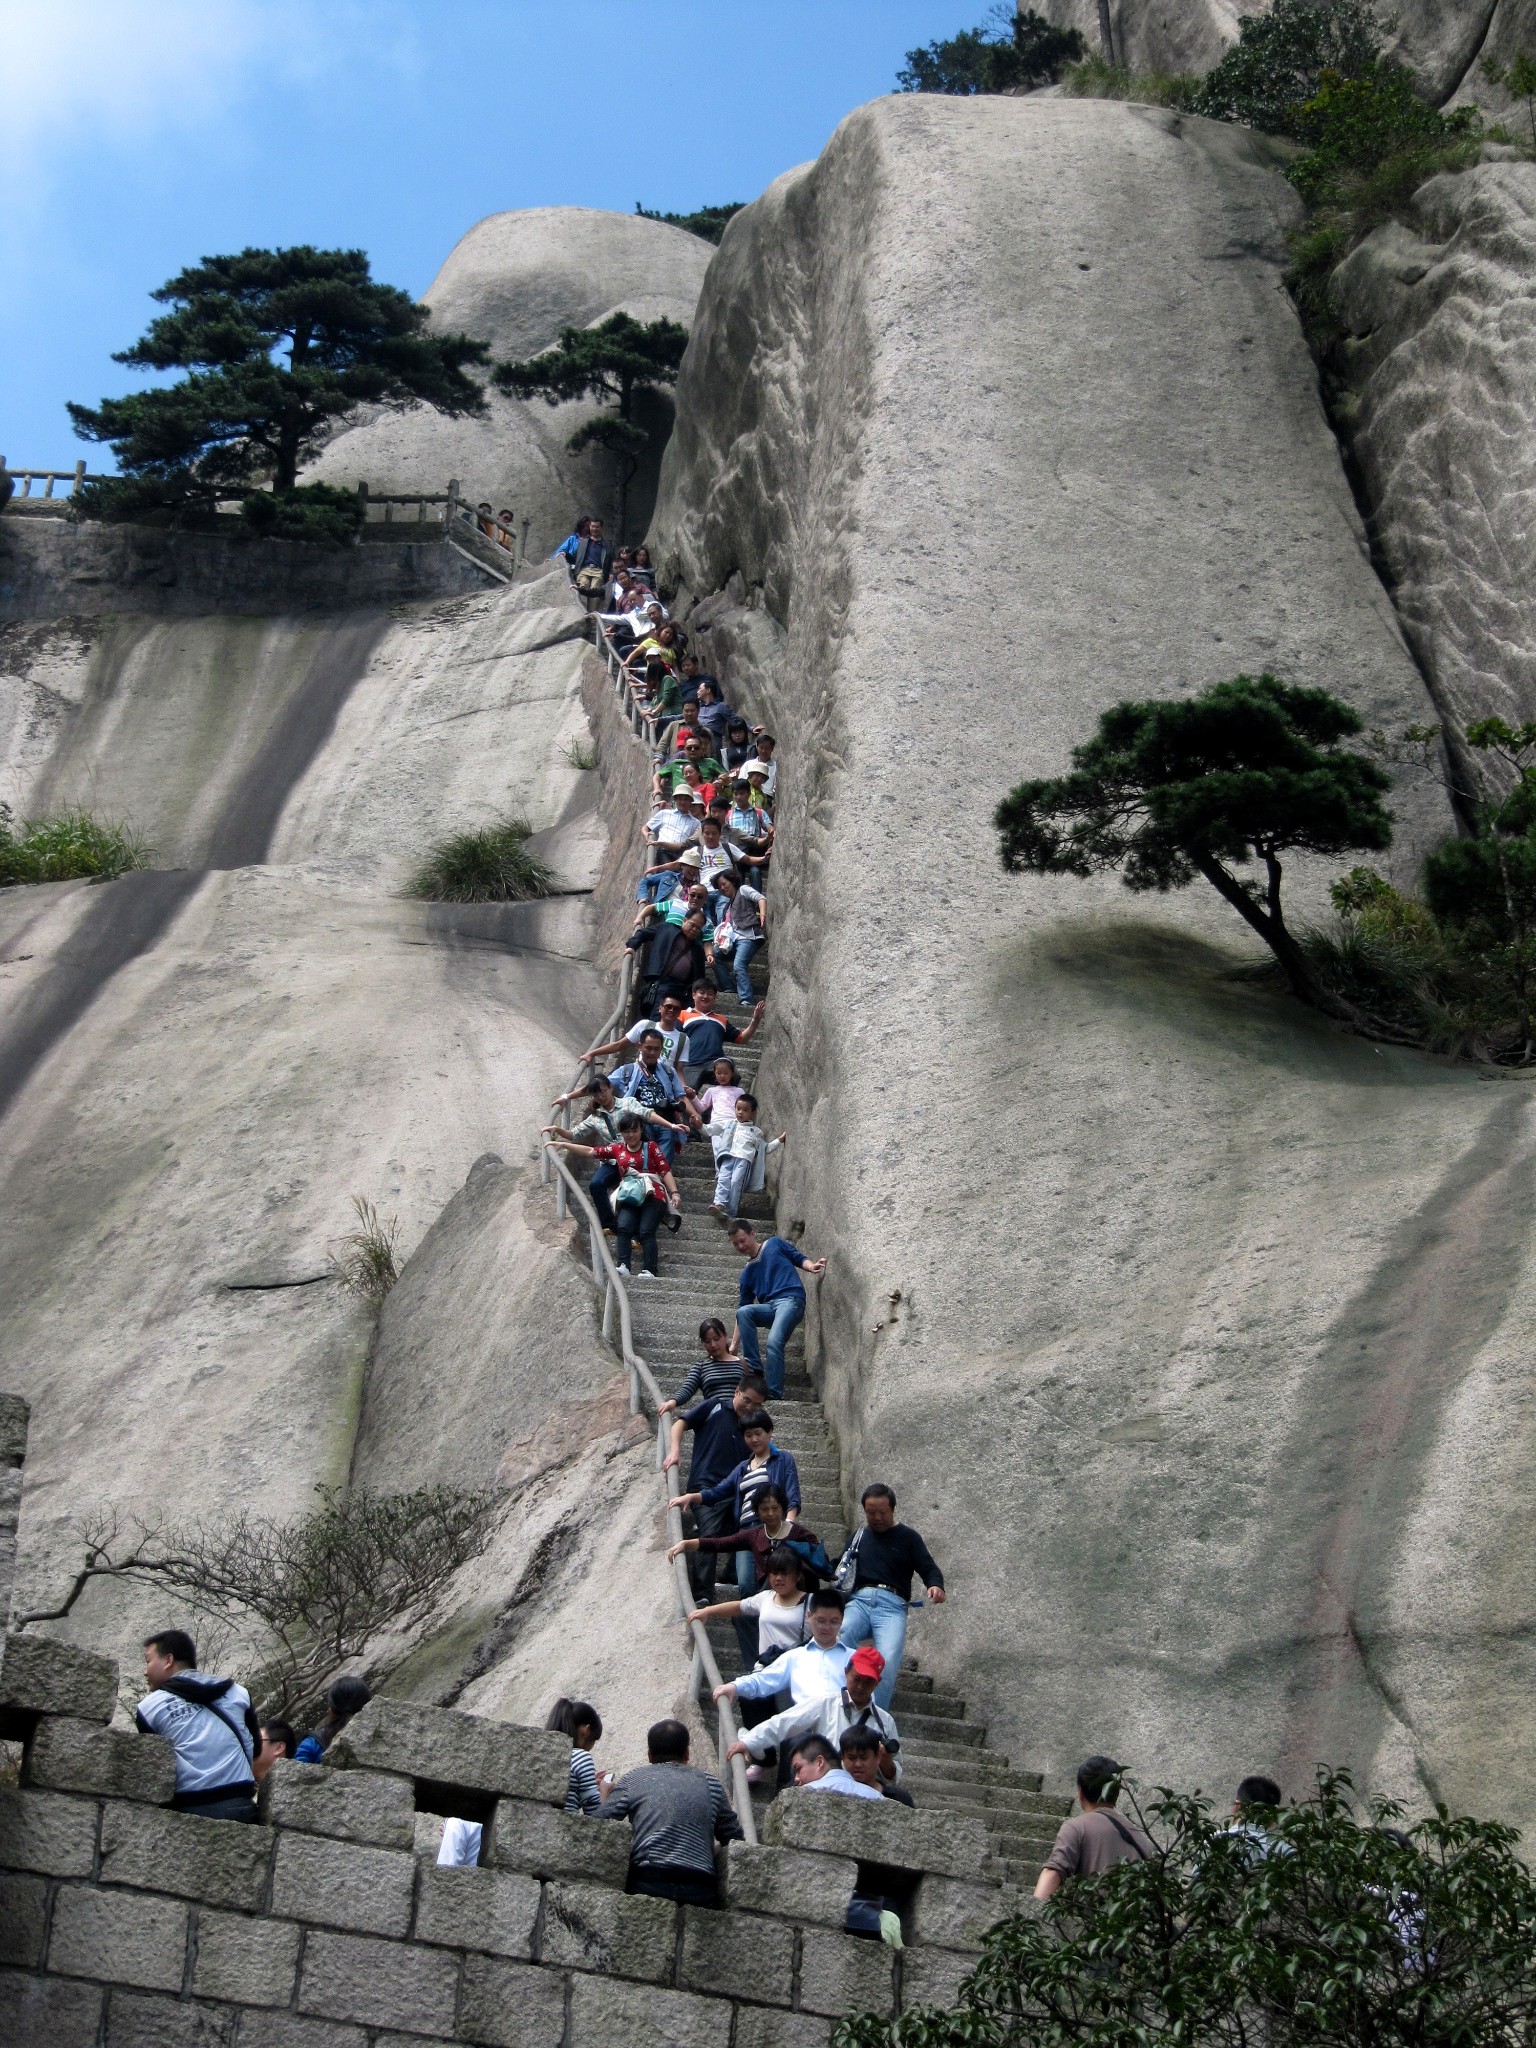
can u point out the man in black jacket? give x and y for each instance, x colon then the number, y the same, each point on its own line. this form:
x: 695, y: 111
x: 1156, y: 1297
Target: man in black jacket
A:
x: 674, y: 957
x: 886, y: 1555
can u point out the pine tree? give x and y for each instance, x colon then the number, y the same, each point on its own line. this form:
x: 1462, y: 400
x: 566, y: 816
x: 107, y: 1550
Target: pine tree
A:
x: 278, y: 344
x: 617, y: 360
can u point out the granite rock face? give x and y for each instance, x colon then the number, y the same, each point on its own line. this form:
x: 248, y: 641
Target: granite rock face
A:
x: 514, y: 281
x: 1441, y: 366
x: 1190, y: 1332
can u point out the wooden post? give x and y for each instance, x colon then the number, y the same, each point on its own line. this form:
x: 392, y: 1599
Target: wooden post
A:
x: 451, y: 509
x: 79, y: 476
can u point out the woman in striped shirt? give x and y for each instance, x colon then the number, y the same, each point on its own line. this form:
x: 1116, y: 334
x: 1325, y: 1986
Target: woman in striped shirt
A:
x: 583, y: 1724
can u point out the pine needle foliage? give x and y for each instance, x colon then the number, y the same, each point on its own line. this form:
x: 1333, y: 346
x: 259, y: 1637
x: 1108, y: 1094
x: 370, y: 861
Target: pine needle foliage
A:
x: 491, y: 865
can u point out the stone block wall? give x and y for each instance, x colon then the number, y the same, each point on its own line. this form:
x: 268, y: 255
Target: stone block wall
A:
x: 125, y: 1924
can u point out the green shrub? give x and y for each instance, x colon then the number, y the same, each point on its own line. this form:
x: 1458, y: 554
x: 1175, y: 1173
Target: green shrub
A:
x: 73, y: 846
x: 1093, y: 79
x: 317, y: 512
x: 708, y: 222
x: 1371, y: 140
x: 1011, y: 52
x: 492, y: 865
x: 1279, y: 58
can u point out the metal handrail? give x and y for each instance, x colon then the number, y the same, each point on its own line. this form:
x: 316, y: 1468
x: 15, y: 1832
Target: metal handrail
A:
x: 643, y: 1389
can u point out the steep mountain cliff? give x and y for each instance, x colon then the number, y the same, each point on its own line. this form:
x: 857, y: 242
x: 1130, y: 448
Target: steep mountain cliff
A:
x: 1188, y: 1331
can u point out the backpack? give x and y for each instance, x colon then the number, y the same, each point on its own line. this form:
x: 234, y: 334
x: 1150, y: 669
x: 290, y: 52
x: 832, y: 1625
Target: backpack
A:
x: 813, y: 1554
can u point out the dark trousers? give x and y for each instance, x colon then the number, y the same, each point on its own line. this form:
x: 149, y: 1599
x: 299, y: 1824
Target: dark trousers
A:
x: 641, y: 1222
x: 674, y: 1881
x: 710, y: 1518
x: 604, y: 1177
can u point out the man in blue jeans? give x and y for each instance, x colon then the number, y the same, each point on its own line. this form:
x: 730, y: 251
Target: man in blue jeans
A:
x: 771, y: 1297
x: 886, y: 1555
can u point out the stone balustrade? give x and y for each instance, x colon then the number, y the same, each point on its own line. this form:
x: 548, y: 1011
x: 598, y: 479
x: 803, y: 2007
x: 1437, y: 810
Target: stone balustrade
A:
x: 129, y: 1925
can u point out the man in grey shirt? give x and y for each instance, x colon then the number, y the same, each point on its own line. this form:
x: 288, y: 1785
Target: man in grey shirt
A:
x: 677, y: 1815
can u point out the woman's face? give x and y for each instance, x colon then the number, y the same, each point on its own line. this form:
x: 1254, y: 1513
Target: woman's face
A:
x: 785, y: 1584
x: 692, y: 776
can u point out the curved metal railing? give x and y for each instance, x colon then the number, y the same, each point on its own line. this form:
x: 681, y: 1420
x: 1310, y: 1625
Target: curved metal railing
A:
x: 644, y: 1394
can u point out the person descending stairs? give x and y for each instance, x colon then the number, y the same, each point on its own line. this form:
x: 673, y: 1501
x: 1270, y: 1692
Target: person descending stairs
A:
x: 947, y: 1764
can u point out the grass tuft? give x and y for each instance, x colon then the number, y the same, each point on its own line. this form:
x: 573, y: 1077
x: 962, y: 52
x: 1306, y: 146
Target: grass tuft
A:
x: 1093, y: 79
x: 492, y: 865
x: 365, y: 1264
x: 580, y: 753
x: 73, y: 846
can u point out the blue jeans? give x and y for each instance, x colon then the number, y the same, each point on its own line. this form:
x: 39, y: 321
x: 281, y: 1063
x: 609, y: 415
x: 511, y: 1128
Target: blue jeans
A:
x: 656, y: 885
x: 731, y: 1179
x: 605, y: 1177
x: 876, y: 1614
x: 781, y: 1318
x: 741, y: 958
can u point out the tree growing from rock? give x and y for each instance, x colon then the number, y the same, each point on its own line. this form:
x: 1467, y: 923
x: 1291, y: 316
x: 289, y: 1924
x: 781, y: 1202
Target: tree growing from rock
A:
x: 313, y: 1591
x: 1281, y: 58
x: 277, y: 346
x: 1251, y: 770
x: 707, y: 222
x: 1010, y: 52
x: 620, y: 360
x: 1319, y: 1924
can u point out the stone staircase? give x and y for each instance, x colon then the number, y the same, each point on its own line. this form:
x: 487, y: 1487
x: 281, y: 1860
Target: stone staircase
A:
x: 946, y: 1761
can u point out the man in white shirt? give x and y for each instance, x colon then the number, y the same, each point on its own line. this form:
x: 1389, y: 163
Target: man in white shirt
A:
x: 817, y: 1767
x: 831, y: 1715
x: 672, y: 828
x: 814, y: 1670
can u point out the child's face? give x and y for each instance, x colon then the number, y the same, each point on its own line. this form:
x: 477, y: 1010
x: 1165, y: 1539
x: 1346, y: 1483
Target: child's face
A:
x: 743, y: 1110
x: 722, y: 1073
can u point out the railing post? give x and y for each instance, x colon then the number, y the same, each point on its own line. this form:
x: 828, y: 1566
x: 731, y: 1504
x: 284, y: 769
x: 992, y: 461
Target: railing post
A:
x: 79, y: 477
x: 608, y: 1314
x: 560, y: 1202
x: 451, y: 508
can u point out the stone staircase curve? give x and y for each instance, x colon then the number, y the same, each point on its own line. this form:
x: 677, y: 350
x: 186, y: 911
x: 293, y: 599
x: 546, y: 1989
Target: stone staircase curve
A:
x: 947, y: 1764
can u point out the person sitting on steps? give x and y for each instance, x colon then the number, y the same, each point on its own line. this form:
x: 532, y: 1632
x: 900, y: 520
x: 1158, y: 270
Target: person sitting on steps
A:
x: 677, y: 1815
x: 771, y: 1296
x: 886, y: 1554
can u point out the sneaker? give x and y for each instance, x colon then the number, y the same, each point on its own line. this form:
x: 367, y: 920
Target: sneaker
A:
x: 758, y: 1774
x: 623, y: 1272
x: 645, y: 1274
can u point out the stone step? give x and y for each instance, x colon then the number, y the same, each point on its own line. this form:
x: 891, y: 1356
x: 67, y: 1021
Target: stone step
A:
x: 1023, y: 1874
x: 977, y: 1767
x: 983, y: 1792
x: 925, y: 1732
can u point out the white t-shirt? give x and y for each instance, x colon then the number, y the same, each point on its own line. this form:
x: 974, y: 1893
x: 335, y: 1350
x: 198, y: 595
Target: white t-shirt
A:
x: 714, y: 860
x: 670, y: 1040
x: 778, y: 1628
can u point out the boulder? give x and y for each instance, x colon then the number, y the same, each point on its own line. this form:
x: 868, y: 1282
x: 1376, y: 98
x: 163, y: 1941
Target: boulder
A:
x: 1188, y: 1330
x: 514, y: 280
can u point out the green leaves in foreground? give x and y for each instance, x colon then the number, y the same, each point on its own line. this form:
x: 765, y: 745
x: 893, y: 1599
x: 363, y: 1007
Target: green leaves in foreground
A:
x: 1315, y: 1924
x: 70, y: 847
x: 492, y: 865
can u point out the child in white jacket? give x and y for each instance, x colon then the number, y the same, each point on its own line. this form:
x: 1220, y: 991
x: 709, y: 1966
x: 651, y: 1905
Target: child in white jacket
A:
x: 741, y: 1152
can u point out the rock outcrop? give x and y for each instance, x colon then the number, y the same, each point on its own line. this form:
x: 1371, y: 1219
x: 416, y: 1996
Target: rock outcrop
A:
x: 515, y: 280
x: 1189, y: 1331
x: 200, y: 1065
x: 1441, y: 416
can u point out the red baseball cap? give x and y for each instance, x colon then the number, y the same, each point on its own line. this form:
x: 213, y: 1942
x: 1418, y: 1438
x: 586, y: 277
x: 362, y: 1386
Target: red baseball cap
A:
x: 868, y: 1662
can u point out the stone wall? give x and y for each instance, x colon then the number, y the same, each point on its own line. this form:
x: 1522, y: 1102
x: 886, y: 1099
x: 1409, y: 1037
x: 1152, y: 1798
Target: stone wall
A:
x: 330, y: 1925
x: 50, y: 567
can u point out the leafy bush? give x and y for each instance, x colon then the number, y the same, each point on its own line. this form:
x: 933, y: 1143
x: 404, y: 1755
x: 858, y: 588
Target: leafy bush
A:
x: 1010, y: 53
x: 492, y: 865
x: 708, y: 223
x: 1312, y: 1924
x: 318, y: 512
x: 72, y: 846
x: 366, y: 1263
x: 1356, y: 127
x: 318, y: 1588
x: 1279, y: 58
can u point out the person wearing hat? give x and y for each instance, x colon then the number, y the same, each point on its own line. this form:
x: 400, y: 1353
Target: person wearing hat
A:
x: 747, y: 821
x: 763, y: 764
x: 668, y: 830
x: 831, y: 1716
x: 668, y: 876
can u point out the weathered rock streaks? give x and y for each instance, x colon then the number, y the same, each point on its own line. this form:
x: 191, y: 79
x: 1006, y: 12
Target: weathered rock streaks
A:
x: 1204, y: 1308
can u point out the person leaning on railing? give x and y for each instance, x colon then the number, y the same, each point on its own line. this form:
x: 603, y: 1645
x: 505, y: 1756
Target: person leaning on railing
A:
x: 677, y: 1814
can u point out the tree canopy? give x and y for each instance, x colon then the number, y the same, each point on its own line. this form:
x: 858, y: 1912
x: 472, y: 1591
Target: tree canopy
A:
x: 1312, y: 1924
x: 278, y: 345
x: 1168, y: 789
x: 1280, y: 58
x: 1009, y: 53
x: 617, y: 360
x: 707, y: 222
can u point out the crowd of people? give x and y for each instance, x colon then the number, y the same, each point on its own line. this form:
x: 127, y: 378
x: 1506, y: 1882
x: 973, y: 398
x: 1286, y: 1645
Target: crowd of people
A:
x: 822, y: 1641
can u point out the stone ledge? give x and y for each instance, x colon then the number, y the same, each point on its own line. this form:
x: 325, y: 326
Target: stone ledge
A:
x: 343, y: 1884
x: 466, y: 1751
x: 546, y: 1844
x: 823, y: 1824
x: 789, y: 1884
x: 352, y: 1806
x: 41, y: 1676
x: 218, y: 1862
x: 47, y: 1832
x: 66, y: 1755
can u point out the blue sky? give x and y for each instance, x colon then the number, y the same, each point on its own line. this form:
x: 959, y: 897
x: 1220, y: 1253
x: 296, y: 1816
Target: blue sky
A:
x: 141, y: 134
